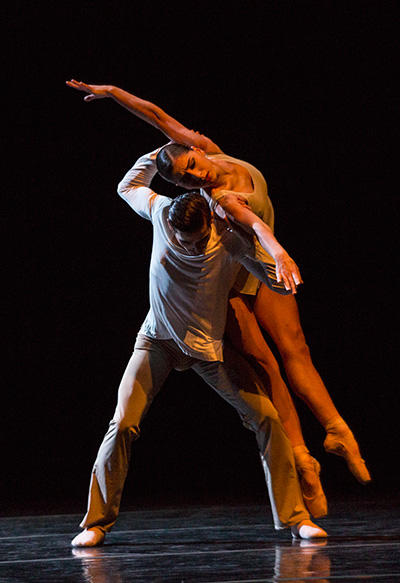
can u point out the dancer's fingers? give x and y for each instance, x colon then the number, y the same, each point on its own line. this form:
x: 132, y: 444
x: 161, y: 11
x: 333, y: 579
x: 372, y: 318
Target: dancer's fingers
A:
x: 79, y: 85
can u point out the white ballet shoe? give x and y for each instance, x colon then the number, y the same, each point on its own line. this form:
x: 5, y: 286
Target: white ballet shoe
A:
x: 90, y: 537
x: 307, y: 530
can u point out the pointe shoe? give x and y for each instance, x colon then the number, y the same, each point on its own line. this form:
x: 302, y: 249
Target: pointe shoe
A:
x: 90, y: 537
x: 340, y: 441
x: 309, y: 470
x: 307, y: 530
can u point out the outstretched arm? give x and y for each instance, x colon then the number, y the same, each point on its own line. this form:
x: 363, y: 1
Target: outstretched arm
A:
x: 287, y: 271
x: 150, y: 113
x: 135, y: 189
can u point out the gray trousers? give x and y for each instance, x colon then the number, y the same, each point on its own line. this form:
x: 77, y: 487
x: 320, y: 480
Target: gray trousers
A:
x: 236, y: 382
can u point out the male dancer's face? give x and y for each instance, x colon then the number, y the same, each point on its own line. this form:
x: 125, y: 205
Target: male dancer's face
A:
x: 194, y: 243
x: 194, y: 170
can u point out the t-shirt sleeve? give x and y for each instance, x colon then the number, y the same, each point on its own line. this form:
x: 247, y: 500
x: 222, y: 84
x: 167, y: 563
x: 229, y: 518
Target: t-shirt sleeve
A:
x: 135, y: 189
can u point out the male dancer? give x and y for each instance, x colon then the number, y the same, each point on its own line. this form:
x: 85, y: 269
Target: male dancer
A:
x: 193, y: 266
x: 229, y: 182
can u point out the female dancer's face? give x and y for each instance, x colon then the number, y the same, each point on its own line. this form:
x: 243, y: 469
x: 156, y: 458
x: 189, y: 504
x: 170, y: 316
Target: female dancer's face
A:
x: 194, y: 170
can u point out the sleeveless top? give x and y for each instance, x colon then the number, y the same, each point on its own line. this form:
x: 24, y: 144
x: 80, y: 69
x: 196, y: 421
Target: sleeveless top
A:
x: 261, y: 206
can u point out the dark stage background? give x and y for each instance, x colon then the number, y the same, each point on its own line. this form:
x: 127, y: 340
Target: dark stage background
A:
x: 304, y: 91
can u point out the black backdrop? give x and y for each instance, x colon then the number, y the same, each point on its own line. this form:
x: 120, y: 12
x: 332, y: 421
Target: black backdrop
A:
x: 303, y: 90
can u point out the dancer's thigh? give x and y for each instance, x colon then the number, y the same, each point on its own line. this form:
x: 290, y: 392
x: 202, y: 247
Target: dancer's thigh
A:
x: 278, y: 315
x: 236, y: 382
x: 144, y: 375
x: 244, y: 331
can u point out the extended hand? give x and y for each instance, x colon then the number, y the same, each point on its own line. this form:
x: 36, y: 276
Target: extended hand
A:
x: 288, y: 272
x: 94, y: 91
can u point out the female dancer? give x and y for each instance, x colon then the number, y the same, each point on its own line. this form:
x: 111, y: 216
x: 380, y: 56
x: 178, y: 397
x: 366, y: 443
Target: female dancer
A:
x: 238, y: 191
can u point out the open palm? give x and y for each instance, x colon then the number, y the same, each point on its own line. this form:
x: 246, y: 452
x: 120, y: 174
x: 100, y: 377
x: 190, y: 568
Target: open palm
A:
x: 93, y: 91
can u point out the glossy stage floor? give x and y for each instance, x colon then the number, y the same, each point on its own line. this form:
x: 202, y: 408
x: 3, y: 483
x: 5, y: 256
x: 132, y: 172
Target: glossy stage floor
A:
x: 206, y: 544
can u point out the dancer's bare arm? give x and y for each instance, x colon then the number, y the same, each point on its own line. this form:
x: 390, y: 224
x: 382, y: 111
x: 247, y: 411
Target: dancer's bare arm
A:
x: 286, y: 269
x: 150, y: 113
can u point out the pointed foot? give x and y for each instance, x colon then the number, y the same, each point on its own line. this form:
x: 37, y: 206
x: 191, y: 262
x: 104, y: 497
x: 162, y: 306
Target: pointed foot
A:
x: 343, y: 444
x: 314, y: 497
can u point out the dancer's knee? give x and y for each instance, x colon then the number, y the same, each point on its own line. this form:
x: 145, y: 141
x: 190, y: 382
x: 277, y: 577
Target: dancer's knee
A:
x: 260, y: 418
x: 270, y: 429
x: 125, y: 427
x: 293, y: 346
x: 269, y: 364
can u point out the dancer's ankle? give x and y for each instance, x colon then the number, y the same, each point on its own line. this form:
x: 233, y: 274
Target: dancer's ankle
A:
x: 336, y: 423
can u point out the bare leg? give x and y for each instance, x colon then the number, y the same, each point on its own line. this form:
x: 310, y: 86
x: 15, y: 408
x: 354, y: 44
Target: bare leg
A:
x: 245, y: 334
x: 279, y: 316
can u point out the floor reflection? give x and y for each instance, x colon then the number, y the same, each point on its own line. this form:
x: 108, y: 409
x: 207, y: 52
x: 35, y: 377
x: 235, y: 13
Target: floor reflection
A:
x: 304, y: 559
x: 96, y: 567
x: 205, y: 545
x: 300, y: 561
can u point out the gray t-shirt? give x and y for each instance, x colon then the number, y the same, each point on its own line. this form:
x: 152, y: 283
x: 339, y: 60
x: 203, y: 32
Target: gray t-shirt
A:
x: 188, y: 294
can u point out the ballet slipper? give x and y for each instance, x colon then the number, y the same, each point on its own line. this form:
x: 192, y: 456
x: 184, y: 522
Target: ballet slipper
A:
x: 307, y: 530
x: 90, y: 537
x: 309, y: 470
x: 340, y: 441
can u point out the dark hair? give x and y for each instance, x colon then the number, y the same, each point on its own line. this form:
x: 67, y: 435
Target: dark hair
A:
x: 166, y: 158
x: 188, y: 212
